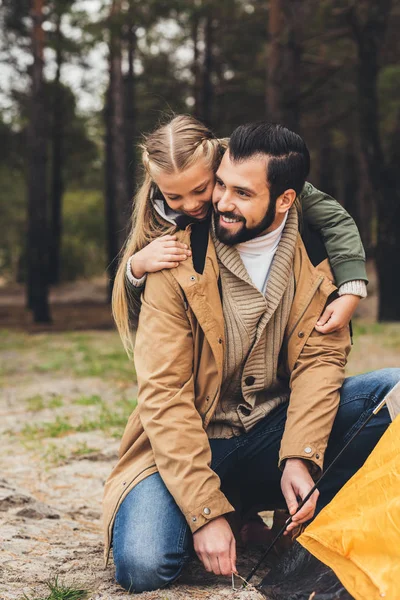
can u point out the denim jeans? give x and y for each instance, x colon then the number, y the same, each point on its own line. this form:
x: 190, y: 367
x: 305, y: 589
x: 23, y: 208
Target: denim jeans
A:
x: 151, y: 539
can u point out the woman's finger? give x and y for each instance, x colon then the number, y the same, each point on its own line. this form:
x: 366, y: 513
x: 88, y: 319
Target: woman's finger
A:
x: 326, y: 315
x: 173, y: 257
x: 167, y: 238
x: 332, y: 325
x: 167, y: 265
x: 172, y: 244
x: 178, y: 251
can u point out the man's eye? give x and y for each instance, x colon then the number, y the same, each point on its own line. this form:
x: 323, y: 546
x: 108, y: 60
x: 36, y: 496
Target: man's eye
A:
x: 242, y: 194
x: 220, y: 183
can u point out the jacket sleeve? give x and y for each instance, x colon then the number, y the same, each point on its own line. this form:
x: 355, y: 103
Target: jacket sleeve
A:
x: 315, y: 384
x: 339, y: 233
x: 166, y: 402
x: 134, y: 296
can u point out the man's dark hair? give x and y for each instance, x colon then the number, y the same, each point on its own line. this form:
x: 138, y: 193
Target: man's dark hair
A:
x: 287, y: 153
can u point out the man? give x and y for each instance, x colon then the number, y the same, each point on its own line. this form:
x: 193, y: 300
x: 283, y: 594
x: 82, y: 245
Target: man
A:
x: 237, y: 390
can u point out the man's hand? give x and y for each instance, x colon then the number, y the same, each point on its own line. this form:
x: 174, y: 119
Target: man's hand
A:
x: 296, y: 482
x: 215, y: 546
x: 337, y: 314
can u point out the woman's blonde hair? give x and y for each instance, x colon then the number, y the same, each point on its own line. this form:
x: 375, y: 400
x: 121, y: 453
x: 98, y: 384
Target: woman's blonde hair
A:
x: 171, y: 148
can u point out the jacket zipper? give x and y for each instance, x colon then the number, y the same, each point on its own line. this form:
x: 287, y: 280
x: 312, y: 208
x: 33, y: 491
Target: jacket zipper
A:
x: 314, y: 291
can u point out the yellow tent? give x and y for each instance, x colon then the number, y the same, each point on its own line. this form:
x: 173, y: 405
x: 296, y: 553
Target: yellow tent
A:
x: 358, y: 533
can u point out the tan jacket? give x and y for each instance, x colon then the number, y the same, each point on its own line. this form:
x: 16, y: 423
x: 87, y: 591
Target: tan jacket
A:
x: 179, y: 361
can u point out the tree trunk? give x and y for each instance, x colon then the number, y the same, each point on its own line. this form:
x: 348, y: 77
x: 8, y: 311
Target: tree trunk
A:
x: 207, y: 89
x: 284, y: 61
x: 368, y: 31
x: 57, y: 165
x: 37, y: 198
x: 130, y: 120
x: 117, y: 192
x: 327, y: 177
x: 196, y: 71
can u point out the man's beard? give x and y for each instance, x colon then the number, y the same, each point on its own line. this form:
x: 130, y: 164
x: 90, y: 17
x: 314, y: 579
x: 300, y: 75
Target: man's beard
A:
x: 244, y: 234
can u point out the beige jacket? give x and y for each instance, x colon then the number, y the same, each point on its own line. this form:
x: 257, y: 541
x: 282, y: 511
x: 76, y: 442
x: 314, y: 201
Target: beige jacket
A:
x: 179, y: 362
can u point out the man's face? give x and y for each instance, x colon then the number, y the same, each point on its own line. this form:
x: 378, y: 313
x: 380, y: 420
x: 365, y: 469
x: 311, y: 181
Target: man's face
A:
x: 241, y: 200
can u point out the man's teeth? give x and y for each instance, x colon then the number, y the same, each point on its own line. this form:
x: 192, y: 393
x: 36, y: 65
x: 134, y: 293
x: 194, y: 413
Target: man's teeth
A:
x: 226, y: 220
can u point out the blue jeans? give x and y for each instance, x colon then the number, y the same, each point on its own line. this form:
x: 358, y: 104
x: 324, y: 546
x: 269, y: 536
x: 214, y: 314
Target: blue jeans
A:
x: 151, y: 539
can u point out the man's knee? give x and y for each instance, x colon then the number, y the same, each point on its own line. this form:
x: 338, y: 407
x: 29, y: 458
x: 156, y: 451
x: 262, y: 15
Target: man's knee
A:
x: 142, y: 570
x: 387, y: 379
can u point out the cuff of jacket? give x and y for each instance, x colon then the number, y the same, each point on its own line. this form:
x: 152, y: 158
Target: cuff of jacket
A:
x: 306, y: 451
x: 349, y: 270
x: 355, y: 288
x: 214, y: 506
x: 135, y: 282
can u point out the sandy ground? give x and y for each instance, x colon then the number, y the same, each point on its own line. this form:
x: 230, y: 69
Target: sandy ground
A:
x: 50, y: 505
x: 51, y: 486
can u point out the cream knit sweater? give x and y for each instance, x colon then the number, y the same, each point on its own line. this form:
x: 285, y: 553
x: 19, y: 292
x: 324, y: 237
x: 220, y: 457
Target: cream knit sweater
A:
x: 254, y: 328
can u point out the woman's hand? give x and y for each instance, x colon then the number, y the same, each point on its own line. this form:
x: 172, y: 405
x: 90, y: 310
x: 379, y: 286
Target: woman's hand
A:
x: 337, y: 314
x: 162, y: 253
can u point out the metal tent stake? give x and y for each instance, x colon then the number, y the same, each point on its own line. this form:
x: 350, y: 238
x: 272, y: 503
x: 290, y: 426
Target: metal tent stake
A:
x: 310, y: 493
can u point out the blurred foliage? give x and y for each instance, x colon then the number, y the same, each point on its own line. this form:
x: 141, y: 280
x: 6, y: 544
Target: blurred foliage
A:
x: 164, y: 84
x: 83, y: 252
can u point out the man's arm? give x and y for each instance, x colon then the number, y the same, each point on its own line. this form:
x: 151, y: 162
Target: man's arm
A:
x: 315, y: 384
x: 166, y: 403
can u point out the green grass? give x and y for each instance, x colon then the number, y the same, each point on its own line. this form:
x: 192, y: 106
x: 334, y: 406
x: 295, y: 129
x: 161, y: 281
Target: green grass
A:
x: 92, y: 354
x: 51, y: 429
x: 59, y: 591
x: 387, y: 334
x: 55, y: 402
x: 35, y: 403
x: 84, y: 450
x: 55, y: 455
x: 88, y: 400
x: 110, y: 420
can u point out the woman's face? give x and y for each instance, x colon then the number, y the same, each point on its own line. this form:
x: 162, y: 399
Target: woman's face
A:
x: 190, y: 191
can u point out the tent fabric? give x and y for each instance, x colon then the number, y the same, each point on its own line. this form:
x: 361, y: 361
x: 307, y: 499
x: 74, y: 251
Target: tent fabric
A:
x: 358, y: 533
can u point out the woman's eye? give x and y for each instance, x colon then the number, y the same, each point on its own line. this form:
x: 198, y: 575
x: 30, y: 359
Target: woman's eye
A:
x: 173, y: 197
x: 201, y: 191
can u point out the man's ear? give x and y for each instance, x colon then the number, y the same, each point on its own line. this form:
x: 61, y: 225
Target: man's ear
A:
x: 285, y: 201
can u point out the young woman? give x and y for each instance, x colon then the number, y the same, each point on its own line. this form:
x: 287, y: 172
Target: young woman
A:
x: 180, y: 159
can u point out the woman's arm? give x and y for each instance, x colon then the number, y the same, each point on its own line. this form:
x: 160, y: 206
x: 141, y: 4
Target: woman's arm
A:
x: 343, y: 245
x: 339, y: 233
x: 162, y: 253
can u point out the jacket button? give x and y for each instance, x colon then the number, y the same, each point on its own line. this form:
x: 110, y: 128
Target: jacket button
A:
x: 194, y: 519
x: 219, y: 340
x: 307, y: 450
x: 206, y: 511
x: 301, y: 334
x: 249, y: 380
x: 245, y: 411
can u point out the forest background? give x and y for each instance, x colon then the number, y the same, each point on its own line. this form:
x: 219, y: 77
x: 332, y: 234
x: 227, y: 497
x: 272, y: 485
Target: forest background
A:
x: 82, y: 80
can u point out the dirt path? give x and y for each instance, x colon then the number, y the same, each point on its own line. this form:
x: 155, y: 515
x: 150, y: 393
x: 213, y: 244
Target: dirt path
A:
x: 64, y: 401
x: 56, y: 455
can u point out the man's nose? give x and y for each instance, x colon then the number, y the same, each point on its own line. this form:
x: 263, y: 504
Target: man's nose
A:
x: 224, y: 202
